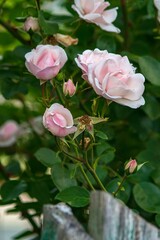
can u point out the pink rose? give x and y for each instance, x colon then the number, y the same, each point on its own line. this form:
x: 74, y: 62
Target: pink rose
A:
x: 58, y: 120
x: 89, y: 57
x: 31, y: 23
x: 69, y: 88
x: 45, y: 61
x: 8, y: 133
x: 94, y: 11
x: 113, y: 77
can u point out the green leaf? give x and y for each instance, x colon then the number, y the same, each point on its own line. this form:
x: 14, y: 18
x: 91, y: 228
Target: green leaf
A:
x: 37, y: 190
x: 74, y: 196
x: 15, y: 87
x: 12, y: 189
x: 150, y: 68
x: 48, y: 27
x: 156, y: 176
x: 61, y: 177
x: 152, y: 107
x: 101, y: 135
x: 147, y: 196
x: 106, y: 42
x: 47, y: 157
x: 105, y: 152
x: 157, y: 219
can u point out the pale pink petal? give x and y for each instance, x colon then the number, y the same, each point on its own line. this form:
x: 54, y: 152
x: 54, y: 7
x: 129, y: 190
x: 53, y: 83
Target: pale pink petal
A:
x: 109, y: 16
x: 131, y: 104
x: 48, y: 73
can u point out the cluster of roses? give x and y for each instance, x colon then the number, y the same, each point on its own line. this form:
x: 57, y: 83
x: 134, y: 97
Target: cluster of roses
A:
x: 110, y: 75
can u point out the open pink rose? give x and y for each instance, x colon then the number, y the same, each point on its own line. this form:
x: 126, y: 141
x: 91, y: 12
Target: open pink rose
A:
x: 113, y: 77
x: 45, y: 61
x: 8, y: 133
x: 94, y: 11
x: 58, y: 120
x: 89, y: 57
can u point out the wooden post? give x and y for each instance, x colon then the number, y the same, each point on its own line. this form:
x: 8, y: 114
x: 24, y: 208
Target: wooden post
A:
x: 60, y: 224
x: 111, y: 220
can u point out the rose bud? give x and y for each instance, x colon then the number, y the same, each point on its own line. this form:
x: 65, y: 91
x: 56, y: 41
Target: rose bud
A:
x: 31, y: 23
x: 69, y: 88
x: 58, y: 120
x: 65, y: 40
x: 131, y: 165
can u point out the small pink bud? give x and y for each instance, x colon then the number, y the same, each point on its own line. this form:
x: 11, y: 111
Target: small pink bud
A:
x: 69, y: 88
x: 131, y: 166
x: 31, y: 23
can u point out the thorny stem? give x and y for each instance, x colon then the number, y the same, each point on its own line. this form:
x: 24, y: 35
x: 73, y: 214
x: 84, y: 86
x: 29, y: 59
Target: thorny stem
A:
x: 14, y: 32
x: 84, y: 161
x: 86, y: 177
x: 59, y: 93
x: 120, y: 186
x: 44, y: 97
x: 92, y: 171
x: 38, y: 4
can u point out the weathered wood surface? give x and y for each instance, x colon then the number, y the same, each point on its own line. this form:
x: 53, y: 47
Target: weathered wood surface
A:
x: 60, y: 224
x: 111, y: 220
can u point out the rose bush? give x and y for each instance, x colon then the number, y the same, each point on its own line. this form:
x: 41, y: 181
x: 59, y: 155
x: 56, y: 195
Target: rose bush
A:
x: 58, y: 120
x: 98, y: 145
x: 112, y: 77
x: 45, y: 61
x: 94, y: 11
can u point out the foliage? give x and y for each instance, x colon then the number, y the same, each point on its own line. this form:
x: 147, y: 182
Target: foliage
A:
x: 48, y: 169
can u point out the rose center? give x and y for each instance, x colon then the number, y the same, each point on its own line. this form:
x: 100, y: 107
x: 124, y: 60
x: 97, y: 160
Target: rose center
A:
x: 59, y: 120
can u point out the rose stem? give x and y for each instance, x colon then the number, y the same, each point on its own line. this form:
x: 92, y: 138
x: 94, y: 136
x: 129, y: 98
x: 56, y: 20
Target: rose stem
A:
x: 120, y: 186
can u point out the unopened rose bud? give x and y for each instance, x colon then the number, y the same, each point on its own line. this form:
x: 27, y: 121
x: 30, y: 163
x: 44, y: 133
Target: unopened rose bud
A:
x: 65, y: 40
x: 69, y: 88
x: 131, y: 166
x: 31, y: 23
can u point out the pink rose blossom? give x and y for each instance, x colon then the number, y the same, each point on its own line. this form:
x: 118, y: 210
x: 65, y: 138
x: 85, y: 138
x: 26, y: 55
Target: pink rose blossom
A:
x: 89, y: 57
x: 31, y: 23
x: 58, y: 120
x: 8, y: 133
x: 131, y: 166
x: 69, y: 88
x: 45, y: 61
x: 94, y: 11
x: 112, y: 77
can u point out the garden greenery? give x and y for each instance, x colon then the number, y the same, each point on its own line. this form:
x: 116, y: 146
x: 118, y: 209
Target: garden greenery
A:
x: 80, y: 105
